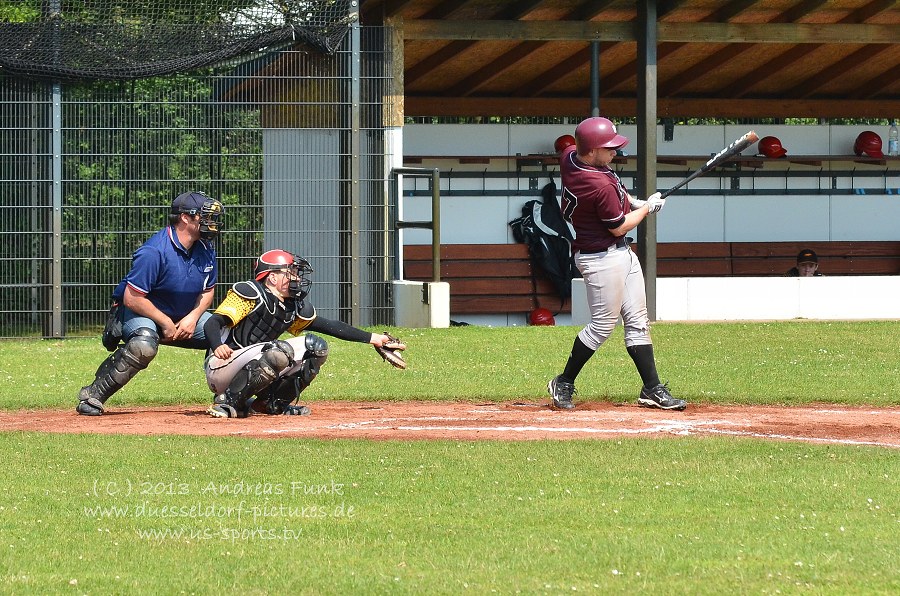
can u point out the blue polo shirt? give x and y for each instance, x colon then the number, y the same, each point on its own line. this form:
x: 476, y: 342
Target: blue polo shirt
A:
x: 168, y: 275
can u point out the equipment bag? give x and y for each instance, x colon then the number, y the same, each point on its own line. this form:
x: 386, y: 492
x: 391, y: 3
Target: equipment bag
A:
x: 543, y: 229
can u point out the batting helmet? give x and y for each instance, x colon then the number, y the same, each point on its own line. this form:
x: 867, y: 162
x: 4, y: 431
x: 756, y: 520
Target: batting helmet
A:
x: 868, y: 142
x: 597, y: 132
x: 771, y: 147
x: 541, y: 316
x: 282, y: 260
x: 563, y: 142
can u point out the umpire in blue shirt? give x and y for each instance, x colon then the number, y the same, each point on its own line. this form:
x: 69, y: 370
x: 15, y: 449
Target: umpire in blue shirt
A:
x: 163, y: 299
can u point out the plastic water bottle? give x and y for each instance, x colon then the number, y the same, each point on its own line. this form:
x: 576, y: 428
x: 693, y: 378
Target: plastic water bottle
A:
x: 893, y: 139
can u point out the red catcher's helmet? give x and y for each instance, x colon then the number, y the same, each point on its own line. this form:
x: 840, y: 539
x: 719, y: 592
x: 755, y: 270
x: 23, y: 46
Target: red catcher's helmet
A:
x: 282, y: 260
x: 868, y: 142
x: 563, y: 142
x: 771, y: 147
x: 541, y: 316
x: 597, y: 132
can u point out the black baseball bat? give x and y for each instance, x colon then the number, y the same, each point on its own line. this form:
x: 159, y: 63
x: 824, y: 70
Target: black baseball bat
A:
x: 716, y: 160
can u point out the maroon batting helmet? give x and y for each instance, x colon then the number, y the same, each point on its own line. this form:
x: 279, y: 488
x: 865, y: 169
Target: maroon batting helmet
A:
x: 771, y: 147
x: 563, y: 142
x: 868, y: 142
x: 541, y: 316
x: 597, y: 132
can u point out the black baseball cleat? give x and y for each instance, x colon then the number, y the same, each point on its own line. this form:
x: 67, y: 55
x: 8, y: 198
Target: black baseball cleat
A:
x: 561, y: 394
x: 297, y: 411
x: 87, y: 404
x: 659, y: 397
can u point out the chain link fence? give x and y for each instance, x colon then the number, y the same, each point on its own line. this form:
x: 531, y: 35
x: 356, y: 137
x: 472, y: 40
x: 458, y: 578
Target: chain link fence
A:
x: 292, y: 141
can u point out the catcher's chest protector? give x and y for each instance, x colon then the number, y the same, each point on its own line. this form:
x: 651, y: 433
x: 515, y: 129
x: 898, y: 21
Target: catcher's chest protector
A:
x: 269, y: 318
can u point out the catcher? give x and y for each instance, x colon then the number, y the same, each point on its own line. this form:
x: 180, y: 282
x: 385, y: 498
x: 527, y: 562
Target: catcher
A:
x: 248, y: 368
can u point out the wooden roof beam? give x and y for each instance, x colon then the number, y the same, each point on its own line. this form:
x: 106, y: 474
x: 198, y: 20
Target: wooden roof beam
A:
x: 785, y: 33
x: 732, y: 51
x: 521, y: 51
x: 808, y: 86
x: 870, y: 88
x: 436, y: 59
x: 618, y: 107
x: 744, y: 85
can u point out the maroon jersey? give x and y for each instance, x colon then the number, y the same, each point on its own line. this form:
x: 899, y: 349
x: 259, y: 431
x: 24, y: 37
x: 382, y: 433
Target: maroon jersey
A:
x: 594, y: 201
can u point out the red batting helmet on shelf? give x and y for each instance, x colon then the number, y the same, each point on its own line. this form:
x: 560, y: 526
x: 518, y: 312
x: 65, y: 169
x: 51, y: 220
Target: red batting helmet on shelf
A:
x: 563, y: 142
x: 597, y: 132
x: 541, y: 316
x: 868, y: 142
x: 771, y: 147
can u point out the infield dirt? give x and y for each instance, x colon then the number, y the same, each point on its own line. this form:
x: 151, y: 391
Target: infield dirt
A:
x: 824, y: 424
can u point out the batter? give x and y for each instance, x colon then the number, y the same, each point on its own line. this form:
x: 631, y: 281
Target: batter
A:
x: 601, y: 211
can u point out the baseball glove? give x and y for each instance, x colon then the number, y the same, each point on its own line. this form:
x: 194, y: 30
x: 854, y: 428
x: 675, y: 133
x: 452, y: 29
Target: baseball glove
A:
x: 390, y: 351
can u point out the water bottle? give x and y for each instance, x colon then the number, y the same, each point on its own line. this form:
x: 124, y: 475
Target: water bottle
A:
x: 893, y: 141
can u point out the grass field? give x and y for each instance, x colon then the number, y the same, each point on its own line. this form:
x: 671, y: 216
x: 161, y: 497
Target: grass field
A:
x: 91, y: 514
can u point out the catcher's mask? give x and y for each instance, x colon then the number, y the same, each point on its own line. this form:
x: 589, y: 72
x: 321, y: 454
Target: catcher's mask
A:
x: 210, y: 210
x: 281, y: 260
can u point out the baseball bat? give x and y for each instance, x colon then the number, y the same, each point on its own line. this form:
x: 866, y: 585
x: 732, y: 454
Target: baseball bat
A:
x: 716, y: 160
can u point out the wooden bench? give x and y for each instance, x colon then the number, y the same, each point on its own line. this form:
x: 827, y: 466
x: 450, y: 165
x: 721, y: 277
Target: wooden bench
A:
x: 712, y: 259
x: 496, y: 278
x: 485, y: 278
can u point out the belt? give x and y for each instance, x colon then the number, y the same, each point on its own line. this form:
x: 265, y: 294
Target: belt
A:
x: 620, y: 243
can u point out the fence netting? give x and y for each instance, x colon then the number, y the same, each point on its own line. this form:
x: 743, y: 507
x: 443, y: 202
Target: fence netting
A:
x: 119, y: 40
x: 88, y: 170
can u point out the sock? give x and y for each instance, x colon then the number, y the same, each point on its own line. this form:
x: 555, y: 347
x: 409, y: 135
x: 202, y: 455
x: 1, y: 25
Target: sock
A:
x: 646, y: 366
x: 577, y: 359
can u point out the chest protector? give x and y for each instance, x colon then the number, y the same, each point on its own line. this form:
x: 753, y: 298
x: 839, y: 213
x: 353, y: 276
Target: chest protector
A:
x: 269, y: 318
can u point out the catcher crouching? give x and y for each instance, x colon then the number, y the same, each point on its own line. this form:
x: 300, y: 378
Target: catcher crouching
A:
x: 249, y: 369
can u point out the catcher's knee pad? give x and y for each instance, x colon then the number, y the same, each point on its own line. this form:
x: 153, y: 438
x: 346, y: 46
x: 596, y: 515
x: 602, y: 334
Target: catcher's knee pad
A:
x: 278, y: 355
x: 315, y: 356
x: 316, y: 347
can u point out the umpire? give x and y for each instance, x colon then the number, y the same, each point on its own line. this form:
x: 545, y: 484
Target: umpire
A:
x: 163, y: 298
x: 601, y: 211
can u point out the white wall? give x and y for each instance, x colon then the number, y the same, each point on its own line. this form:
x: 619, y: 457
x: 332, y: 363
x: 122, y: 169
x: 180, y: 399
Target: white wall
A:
x: 769, y: 216
x: 764, y: 298
x: 726, y: 217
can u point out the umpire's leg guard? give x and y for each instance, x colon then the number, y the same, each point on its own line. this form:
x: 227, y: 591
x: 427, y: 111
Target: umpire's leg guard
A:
x: 119, y: 367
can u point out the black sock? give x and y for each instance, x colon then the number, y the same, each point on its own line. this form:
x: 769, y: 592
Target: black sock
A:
x: 643, y: 360
x: 577, y: 359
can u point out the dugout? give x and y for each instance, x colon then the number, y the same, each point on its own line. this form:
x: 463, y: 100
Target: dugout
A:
x: 277, y: 131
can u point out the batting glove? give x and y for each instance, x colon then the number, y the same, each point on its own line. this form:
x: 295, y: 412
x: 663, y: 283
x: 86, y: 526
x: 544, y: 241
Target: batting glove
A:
x: 655, y: 202
x: 636, y: 203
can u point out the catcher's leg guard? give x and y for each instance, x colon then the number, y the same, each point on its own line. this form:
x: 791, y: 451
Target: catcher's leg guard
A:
x: 278, y: 397
x: 315, y: 356
x: 120, y: 367
x: 256, y: 376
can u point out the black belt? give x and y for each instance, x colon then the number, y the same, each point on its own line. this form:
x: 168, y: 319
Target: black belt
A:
x: 620, y: 243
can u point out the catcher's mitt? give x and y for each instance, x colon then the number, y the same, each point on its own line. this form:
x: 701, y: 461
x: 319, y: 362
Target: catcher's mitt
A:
x: 390, y: 351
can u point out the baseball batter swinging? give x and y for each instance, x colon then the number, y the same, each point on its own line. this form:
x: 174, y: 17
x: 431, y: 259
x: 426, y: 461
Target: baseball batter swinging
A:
x: 601, y: 211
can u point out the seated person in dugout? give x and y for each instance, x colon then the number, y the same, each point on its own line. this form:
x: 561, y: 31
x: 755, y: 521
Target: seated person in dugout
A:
x: 807, y: 265
x: 248, y: 368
